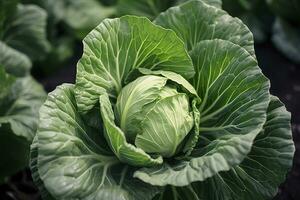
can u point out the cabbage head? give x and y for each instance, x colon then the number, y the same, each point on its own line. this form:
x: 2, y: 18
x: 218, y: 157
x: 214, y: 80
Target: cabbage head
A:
x: 176, y: 108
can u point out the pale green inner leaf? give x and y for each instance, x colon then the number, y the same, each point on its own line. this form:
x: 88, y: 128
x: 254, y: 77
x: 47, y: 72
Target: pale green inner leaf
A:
x: 125, y: 151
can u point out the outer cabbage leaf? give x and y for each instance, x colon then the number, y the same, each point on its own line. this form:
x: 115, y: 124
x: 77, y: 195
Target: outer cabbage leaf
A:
x: 235, y: 96
x: 125, y: 151
x: 118, y: 46
x: 260, y: 173
x: 35, y: 171
x: 71, y: 163
x: 20, y: 100
x: 15, y: 62
x: 286, y: 38
x: 26, y: 31
x: 195, y: 21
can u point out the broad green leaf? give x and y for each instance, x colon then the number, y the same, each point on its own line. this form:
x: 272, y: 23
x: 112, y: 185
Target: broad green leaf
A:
x: 26, y: 31
x: 83, y: 15
x: 118, y: 46
x: 235, y: 96
x: 195, y: 21
x: 286, y: 38
x: 71, y: 161
x: 231, y: 86
x: 125, y: 151
x: 263, y: 169
x: 20, y: 100
x: 130, y: 107
x: 33, y: 164
x: 15, y: 62
x: 19, y: 108
x: 165, y: 126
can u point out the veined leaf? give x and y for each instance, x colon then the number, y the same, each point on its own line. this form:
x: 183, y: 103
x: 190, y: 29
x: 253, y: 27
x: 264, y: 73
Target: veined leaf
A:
x: 118, y: 46
x: 72, y: 164
x: 35, y: 171
x: 235, y: 97
x: 262, y: 170
x: 195, y: 21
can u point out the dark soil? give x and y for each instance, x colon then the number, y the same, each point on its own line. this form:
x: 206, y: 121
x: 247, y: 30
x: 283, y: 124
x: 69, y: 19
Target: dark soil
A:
x: 285, y: 81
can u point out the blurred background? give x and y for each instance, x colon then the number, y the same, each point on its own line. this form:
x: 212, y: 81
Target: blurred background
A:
x: 43, y: 37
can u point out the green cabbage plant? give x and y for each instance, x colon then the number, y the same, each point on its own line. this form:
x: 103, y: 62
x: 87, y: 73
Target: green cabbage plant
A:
x: 176, y: 108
